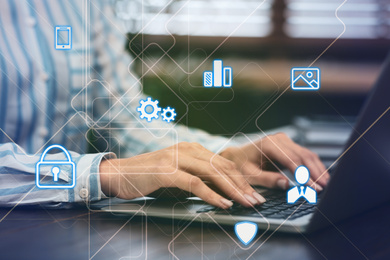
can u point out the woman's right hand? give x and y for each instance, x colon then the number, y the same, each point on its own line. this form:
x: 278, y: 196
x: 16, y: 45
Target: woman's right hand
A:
x: 186, y: 166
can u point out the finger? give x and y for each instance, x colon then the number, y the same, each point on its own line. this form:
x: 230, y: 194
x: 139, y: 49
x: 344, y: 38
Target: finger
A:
x: 224, y: 182
x: 313, y: 163
x: 283, y: 154
x: 257, y: 176
x: 314, y: 185
x: 299, y: 157
x: 229, y: 188
x: 312, y: 167
x: 315, y: 172
x: 319, y: 172
x: 226, y: 168
x: 196, y: 186
x: 324, y: 172
x: 295, y: 155
x: 230, y: 169
x: 283, y: 149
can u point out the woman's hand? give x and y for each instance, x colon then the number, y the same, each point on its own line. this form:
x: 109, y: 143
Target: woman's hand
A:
x: 251, y: 159
x: 186, y: 166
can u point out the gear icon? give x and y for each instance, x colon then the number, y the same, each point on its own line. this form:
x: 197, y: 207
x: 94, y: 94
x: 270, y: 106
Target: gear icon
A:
x: 171, y: 114
x: 146, y: 103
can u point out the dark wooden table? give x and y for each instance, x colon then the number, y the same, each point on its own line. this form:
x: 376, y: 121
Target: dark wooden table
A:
x: 82, y: 234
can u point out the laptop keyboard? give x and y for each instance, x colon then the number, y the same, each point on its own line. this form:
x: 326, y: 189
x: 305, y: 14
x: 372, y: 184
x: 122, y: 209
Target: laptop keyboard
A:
x: 275, y: 207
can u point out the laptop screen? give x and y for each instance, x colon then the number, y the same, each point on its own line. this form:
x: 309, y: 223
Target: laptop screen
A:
x: 362, y: 175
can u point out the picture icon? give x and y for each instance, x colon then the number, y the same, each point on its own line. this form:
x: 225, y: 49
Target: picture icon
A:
x: 305, y: 79
x: 219, y: 77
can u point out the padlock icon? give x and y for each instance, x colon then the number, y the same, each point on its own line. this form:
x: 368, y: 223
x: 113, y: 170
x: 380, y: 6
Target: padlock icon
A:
x: 56, y: 166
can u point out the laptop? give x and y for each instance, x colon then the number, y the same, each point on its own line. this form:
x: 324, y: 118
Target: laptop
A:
x: 359, y: 182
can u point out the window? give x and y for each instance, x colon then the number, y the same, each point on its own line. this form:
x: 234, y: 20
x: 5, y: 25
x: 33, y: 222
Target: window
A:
x: 364, y: 19
x: 245, y: 18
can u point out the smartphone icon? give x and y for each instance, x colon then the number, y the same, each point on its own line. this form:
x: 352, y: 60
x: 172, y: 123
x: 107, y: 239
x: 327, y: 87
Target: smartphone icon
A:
x: 63, y: 37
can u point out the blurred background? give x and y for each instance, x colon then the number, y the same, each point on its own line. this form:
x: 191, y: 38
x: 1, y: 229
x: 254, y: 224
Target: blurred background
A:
x: 175, y: 41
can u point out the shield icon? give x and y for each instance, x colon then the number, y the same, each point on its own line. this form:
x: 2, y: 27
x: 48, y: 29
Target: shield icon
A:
x: 245, y: 231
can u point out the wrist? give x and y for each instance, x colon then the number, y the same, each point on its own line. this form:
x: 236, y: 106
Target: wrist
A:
x: 108, y: 172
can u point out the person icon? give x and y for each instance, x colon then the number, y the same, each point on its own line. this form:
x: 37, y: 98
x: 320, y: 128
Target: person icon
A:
x: 302, y: 176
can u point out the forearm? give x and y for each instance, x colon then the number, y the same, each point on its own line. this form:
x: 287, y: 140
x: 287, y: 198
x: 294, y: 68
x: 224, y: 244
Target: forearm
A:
x: 18, y: 178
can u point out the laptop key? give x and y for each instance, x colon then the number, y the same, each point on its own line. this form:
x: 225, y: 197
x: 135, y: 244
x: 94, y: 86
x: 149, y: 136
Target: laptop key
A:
x: 289, y: 211
x: 279, y: 207
x: 267, y: 212
x: 310, y: 210
x: 205, y: 209
x: 274, y: 207
x: 277, y: 215
x: 265, y: 206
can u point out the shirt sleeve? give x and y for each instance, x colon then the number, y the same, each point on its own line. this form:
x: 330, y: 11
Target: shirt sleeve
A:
x: 119, y: 91
x: 18, y: 178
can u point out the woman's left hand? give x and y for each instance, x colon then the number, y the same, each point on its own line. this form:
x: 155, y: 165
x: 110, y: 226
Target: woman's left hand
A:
x: 251, y: 159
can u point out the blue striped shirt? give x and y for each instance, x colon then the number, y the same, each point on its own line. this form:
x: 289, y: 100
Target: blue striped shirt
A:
x: 50, y: 96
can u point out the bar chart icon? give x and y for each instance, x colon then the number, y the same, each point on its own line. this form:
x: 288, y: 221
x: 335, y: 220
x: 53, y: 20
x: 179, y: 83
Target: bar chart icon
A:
x: 219, y: 77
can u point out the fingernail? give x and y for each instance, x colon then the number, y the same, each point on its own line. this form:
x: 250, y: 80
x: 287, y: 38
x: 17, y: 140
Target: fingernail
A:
x: 251, y: 199
x: 258, y: 197
x: 282, y: 184
x: 317, y: 187
x: 226, y: 202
